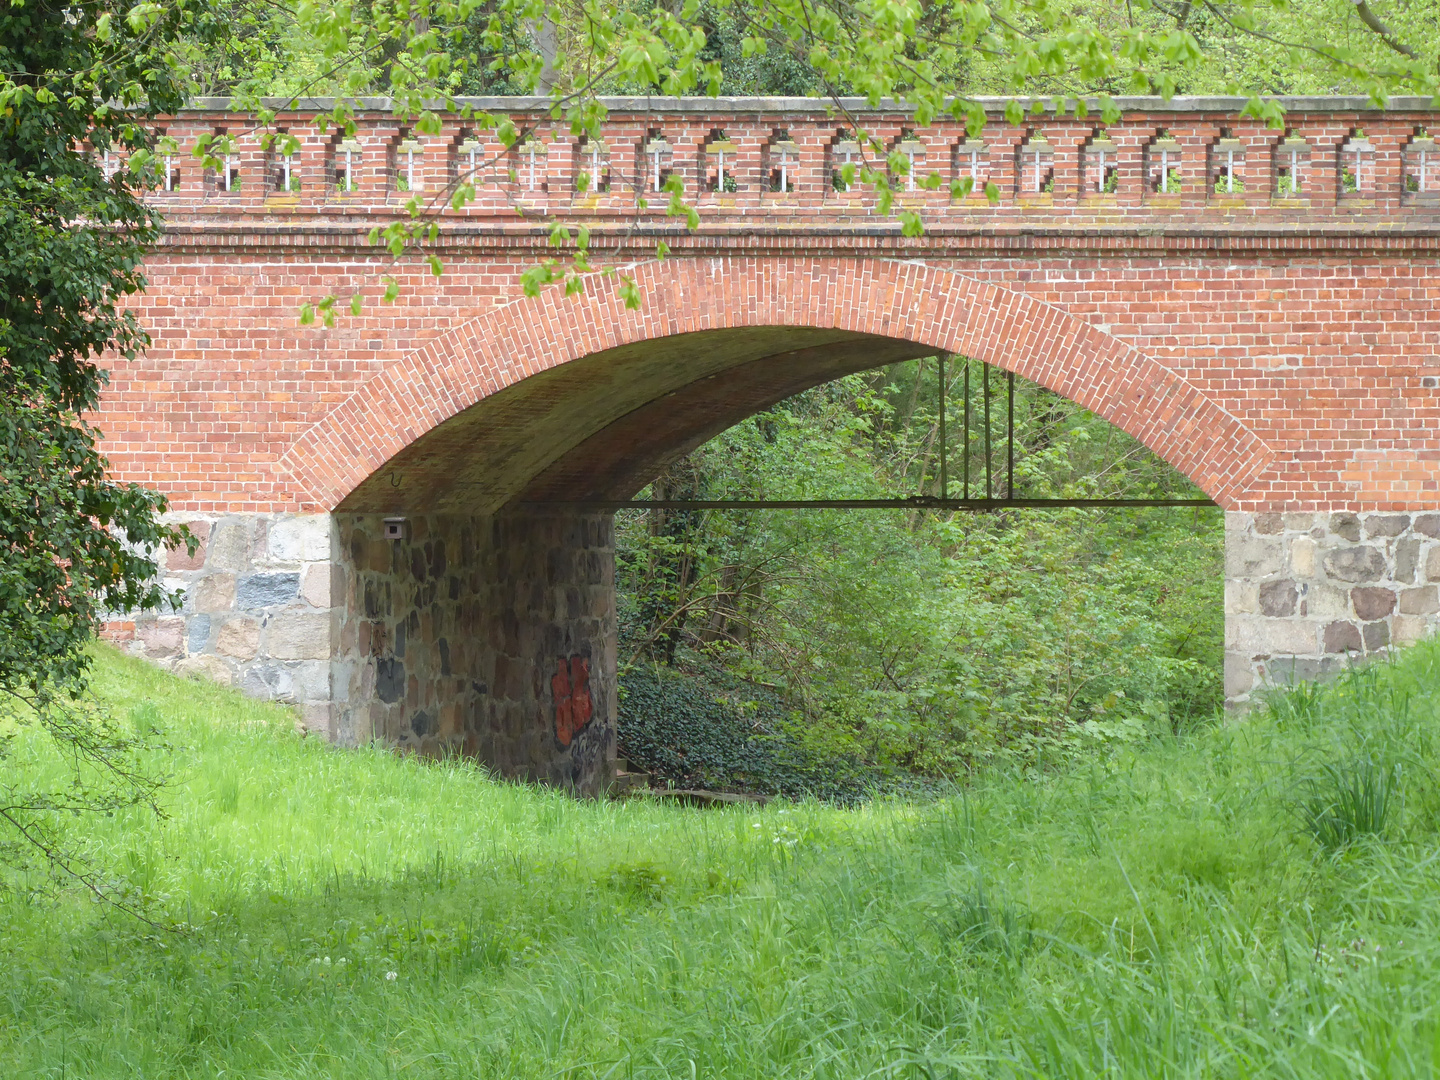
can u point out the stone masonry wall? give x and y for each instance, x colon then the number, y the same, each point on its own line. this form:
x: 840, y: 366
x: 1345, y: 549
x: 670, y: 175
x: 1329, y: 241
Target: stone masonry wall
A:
x: 257, y: 612
x: 1308, y: 593
x: 495, y: 637
x: 488, y: 636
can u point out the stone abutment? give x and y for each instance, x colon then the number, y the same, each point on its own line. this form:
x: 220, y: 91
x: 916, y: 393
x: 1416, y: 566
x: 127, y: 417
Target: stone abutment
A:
x: 493, y: 637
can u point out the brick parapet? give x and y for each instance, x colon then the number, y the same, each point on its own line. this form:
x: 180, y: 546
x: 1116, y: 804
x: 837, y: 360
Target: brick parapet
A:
x: 505, y: 189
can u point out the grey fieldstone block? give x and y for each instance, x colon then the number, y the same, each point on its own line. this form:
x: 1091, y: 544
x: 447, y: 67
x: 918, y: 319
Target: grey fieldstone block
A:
x: 301, y: 538
x: 1253, y: 556
x: 229, y: 546
x: 311, y: 680
x: 1239, y: 679
x: 389, y: 680
x: 268, y: 680
x: 1277, y: 598
x: 1427, y: 525
x: 1355, y: 564
x: 1377, y: 635
x: 1386, y: 524
x: 1289, y: 670
x: 1407, y: 560
x: 1269, y: 524
x: 197, y: 633
x: 1346, y: 526
x: 267, y: 590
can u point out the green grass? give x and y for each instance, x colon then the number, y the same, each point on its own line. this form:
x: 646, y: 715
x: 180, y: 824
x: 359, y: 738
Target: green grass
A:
x: 1171, y: 911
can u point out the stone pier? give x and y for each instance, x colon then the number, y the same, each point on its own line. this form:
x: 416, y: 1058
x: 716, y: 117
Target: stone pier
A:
x: 489, y: 636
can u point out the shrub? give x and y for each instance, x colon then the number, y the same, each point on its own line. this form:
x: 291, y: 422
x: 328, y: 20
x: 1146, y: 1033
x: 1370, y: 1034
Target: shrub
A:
x: 729, y: 735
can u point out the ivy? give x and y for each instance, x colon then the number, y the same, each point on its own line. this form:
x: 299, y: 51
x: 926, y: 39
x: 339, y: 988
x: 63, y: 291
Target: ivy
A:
x: 714, y: 731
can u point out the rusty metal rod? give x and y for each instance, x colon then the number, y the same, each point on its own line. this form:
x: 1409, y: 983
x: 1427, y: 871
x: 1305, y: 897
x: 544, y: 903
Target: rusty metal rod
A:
x: 965, y: 444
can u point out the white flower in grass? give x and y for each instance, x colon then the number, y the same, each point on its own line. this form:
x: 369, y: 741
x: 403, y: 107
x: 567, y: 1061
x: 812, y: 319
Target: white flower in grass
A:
x: 391, y: 976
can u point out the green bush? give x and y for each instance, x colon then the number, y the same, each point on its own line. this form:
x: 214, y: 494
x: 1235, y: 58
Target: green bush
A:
x: 925, y: 643
x: 724, y: 734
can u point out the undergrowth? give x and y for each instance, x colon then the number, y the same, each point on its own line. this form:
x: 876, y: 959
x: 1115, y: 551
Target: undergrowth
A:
x: 1231, y: 902
x: 714, y: 730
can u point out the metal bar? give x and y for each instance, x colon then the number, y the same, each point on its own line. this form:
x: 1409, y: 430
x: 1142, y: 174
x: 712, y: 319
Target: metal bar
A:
x: 965, y: 444
x: 1010, y: 436
x: 985, y: 376
x: 911, y: 503
x: 944, y: 471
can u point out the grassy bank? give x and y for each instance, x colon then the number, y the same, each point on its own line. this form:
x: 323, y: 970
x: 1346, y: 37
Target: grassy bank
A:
x: 1165, y: 912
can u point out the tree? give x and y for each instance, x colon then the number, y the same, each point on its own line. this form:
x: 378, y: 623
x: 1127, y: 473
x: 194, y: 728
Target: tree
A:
x: 931, y: 57
x: 74, y: 164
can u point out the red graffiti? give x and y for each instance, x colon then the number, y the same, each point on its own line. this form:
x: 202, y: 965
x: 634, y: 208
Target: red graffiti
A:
x: 570, y: 686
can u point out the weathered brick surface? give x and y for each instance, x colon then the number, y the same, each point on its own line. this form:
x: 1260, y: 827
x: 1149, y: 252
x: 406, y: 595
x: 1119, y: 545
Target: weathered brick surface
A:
x: 1281, y: 349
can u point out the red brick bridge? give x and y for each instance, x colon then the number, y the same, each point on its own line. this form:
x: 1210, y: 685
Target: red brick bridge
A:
x: 1258, y: 306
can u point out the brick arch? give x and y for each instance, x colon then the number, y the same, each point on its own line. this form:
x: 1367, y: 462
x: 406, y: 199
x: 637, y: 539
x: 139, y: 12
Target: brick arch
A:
x: 926, y: 308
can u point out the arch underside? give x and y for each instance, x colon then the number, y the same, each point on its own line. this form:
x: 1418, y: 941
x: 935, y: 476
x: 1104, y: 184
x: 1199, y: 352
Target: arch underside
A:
x: 556, y: 399
x: 602, y: 427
